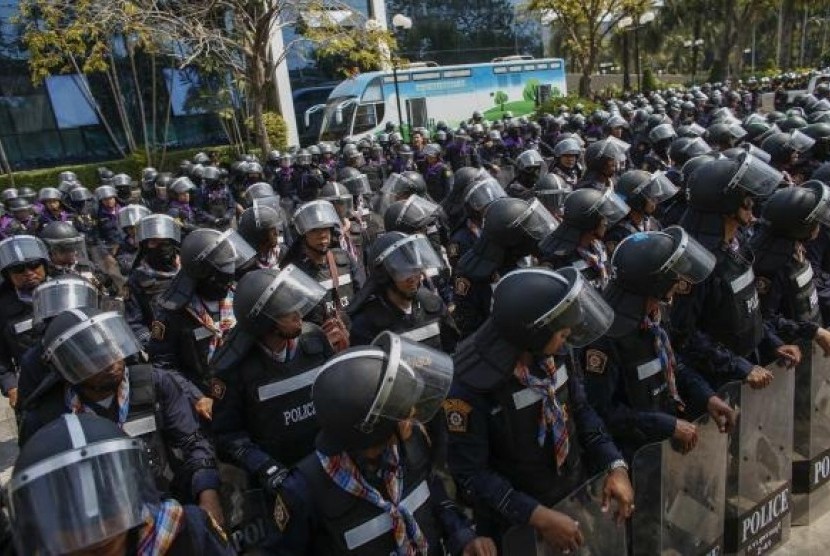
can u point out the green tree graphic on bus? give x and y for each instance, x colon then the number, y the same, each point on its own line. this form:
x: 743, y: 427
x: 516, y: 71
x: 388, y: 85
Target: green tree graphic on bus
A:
x: 500, y: 98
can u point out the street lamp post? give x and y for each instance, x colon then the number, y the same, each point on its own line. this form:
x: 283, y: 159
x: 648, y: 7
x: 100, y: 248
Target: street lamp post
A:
x: 694, y: 45
x: 399, y: 23
x: 634, y: 23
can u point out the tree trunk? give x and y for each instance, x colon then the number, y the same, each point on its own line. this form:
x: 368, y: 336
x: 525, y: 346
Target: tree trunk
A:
x: 787, y: 35
x: 257, y: 98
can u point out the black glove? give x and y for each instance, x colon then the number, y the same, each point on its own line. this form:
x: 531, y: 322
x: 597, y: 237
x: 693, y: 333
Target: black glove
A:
x: 271, y: 475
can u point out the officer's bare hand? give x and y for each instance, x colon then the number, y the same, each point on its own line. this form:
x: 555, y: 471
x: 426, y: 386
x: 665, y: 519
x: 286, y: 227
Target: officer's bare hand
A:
x: 209, y: 501
x: 822, y: 338
x: 559, y: 530
x: 759, y: 378
x: 204, y: 407
x: 685, y: 433
x: 722, y: 413
x: 13, y: 397
x: 618, y: 487
x: 480, y: 546
x: 791, y: 355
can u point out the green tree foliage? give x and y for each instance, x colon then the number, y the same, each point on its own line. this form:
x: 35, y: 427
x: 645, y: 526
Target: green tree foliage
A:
x: 531, y: 90
x: 500, y: 98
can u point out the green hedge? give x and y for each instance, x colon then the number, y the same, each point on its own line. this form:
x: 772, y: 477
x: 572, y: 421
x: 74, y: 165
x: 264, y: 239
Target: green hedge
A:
x: 88, y: 173
x: 552, y: 105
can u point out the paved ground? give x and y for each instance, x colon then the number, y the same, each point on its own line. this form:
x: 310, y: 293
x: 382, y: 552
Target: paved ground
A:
x: 804, y: 541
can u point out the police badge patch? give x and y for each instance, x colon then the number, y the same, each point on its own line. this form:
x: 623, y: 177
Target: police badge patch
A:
x: 157, y: 330
x: 217, y: 389
x: 281, y: 515
x: 595, y: 361
x: 457, y: 413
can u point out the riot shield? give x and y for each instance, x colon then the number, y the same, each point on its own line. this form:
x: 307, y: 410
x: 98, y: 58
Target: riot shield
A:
x: 759, y: 463
x: 679, y: 498
x: 811, y: 437
x: 247, y: 516
x: 601, y: 533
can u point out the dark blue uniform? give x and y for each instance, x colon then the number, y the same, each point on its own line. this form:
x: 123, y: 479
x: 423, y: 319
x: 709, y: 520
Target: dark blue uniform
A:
x: 494, y: 454
x: 174, y: 420
x: 316, y: 517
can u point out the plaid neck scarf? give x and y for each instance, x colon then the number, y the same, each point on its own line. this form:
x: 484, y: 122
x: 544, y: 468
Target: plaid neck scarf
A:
x: 552, y: 417
x: 227, y: 320
x: 269, y: 259
x: 409, y: 539
x: 122, y: 399
x: 160, y: 530
x: 662, y: 345
x: 597, y: 258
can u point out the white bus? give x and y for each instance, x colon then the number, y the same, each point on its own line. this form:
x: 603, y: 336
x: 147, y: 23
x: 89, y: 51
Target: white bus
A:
x: 428, y: 93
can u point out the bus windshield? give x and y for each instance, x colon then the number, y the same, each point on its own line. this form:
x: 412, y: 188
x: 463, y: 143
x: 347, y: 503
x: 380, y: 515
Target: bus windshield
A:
x: 331, y: 130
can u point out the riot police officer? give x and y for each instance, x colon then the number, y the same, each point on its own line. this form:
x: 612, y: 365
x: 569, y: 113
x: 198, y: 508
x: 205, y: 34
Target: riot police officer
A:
x: 155, y: 265
x: 196, y: 311
x: 216, y: 200
x: 602, y: 160
x: 395, y: 299
x: 717, y: 324
x: 264, y: 418
x: 316, y: 254
x: 566, y: 152
x: 529, y: 167
x: 784, y: 276
x: 551, y: 190
x: 128, y: 218
x: 260, y: 226
x: 521, y: 433
x: 51, y: 199
x: 437, y: 175
x: 578, y: 240
x: 23, y: 261
x: 477, y: 197
x: 511, y: 231
x: 106, y: 379
x: 643, y: 192
x: 372, y: 461
x: 633, y: 379
x: 68, y: 256
x: 660, y: 137
x: 107, y: 502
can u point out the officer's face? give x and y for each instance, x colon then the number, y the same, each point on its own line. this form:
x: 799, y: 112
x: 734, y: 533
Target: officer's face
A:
x: 744, y: 215
x: 288, y: 326
x: 409, y: 286
x: 609, y: 167
x: 183, y: 197
x: 104, y: 383
x: 64, y: 256
x: 557, y: 342
x: 109, y: 202
x: 568, y: 160
x: 27, y: 276
x: 649, y: 207
x: 319, y: 240
x: 616, y: 132
x: 273, y: 238
x: 53, y: 205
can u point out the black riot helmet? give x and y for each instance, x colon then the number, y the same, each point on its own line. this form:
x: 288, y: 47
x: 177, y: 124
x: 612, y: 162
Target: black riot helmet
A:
x: 354, y: 180
x: 265, y: 295
x: 794, y: 212
x: 637, y: 187
x: 723, y: 135
x: 651, y: 263
x: 129, y: 215
x: 256, y: 224
x: 720, y: 186
x: 53, y: 297
x: 79, y: 481
x: 206, y: 252
x: 516, y: 224
x: 530, y: 161
x: 339, y: 196
x: 600, y: 151
x: 397, y: 256
x: 27, y: 193
x: 781, y: 146
x: 585, y: 209
x: 66, y: 244
x: 820, y: 132
x: 411, y: 215
x: 685, y: 148
x: 82, y: 342
x: 20, y: 250
x: 361, y: 394
x: 530, y: 305
x: 551, y: 190
x: 414, y: 182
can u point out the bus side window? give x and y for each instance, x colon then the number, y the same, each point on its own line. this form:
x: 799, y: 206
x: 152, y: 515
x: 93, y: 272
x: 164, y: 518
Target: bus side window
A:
x: 367, y: 117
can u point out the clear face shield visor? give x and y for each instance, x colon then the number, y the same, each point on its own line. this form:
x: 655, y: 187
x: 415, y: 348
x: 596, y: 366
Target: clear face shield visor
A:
x: 410, y: 256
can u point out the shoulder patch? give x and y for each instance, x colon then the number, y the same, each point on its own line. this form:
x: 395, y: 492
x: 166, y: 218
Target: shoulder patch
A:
x: 683, y: 288
x: 595, y: 361
x: 217, y: 389
x: 281, y: 515
x: 462, y: 286
x: 457, y: 413
x: 763, y: 285
x: 157, y: 330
